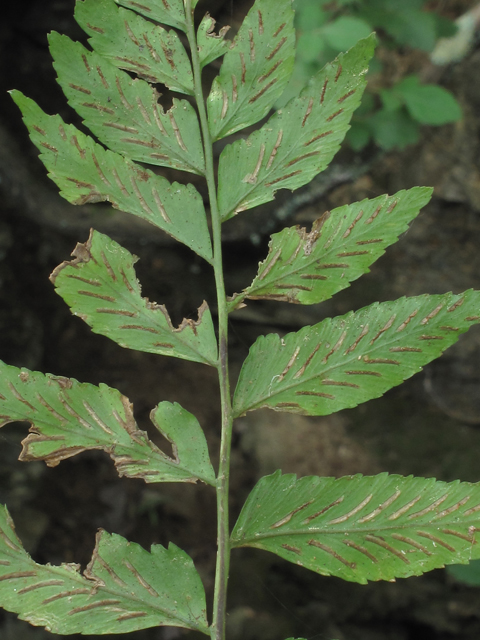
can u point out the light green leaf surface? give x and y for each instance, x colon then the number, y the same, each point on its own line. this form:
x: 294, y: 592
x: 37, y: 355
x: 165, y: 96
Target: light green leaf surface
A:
x: 210, y: 44
x: 186, y: 436
x: 171, y: 12
x: 307, y: 268
x: 299, y: 141
x: 363, y: 528
x: 123, y: 113
x: 123, y: 588
x: 344, y: 361
x: 86, y: 172
x: 255, y: 70
x: 130, y: 42
x: 68, y: 417
x: 100, y: 286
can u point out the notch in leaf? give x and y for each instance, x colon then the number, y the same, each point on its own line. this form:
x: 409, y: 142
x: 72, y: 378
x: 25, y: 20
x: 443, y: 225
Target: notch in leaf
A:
x: 68, y: 417
x: 307, y: 268
x: 124, y: 588
x: 344, y: 361
x: 210, y: 45
x: 362, y: 528
x: 100, y: 286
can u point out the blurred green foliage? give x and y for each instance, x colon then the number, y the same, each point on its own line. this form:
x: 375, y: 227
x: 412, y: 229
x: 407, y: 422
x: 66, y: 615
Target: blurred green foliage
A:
x: 389, y: 116
x: 466, y: 573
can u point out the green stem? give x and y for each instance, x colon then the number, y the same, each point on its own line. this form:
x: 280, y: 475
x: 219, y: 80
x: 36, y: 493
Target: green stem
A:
x: 223, y: 532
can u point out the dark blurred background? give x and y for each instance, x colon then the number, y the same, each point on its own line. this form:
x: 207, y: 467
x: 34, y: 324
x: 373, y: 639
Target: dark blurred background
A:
x: 430, y: 426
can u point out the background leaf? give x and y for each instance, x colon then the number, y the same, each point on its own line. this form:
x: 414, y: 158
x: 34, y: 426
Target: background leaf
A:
x: 124, y: 588
x: 344, y: 361
x: 307, y: 268
x: 130, y: 42
x: 310, y: 14
x: 255, y: 70
x: 210, y: 44
x: 309, y: 47
x: 123, y: 113
x: 344, y: 32
x: 86, y: 172
x: 428, y: 103
x: 299, y: 141
x: 171, y: 12
x: 68, y: 417
x: 362, y: 528
x: 407, y: 22
x: 100, y: 286
x: 393, y: 129
x: 358, y: 136
x: 466, y: 574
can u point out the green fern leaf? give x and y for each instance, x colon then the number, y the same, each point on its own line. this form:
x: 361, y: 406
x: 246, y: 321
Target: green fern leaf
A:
x: 135, y: 44
x: 189, y: 445
x: 171, y: 12
x: 210, y: 45
x: 363, y: 528
x: 86, y: 172
x: 100, y: 286
x: 124, y: 588
x: 307, y: 268
x: 255, y: 70
x: 123, y: 113
x: 68, y: 417
x: 297, y: 142
x: 344, y: 361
